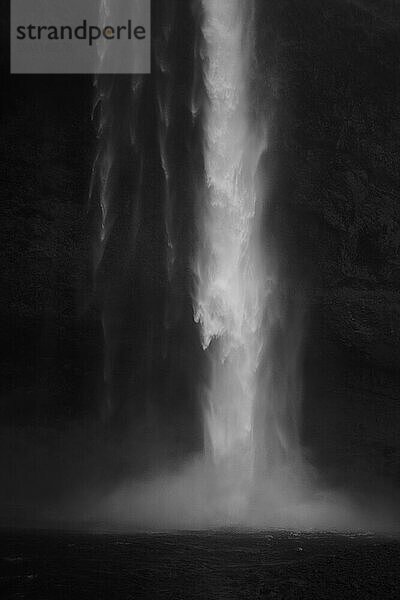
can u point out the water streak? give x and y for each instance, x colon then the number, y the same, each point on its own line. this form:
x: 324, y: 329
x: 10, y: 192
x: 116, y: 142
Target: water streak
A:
x: 232, y: 280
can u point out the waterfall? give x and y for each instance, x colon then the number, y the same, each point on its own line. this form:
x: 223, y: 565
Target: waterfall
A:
x: 181, y: 185
x: 232, y: 280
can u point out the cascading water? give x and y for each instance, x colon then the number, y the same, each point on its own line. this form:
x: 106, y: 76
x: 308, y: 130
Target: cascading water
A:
x: 185, y: 175
x: 232, y: 280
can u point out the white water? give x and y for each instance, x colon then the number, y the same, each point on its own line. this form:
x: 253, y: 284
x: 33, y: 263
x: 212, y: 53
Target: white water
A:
x: 232, y: 280
x: 252, y: 472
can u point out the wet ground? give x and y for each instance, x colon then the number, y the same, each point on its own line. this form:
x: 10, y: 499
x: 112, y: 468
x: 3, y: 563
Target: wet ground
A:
x: 207, y: 566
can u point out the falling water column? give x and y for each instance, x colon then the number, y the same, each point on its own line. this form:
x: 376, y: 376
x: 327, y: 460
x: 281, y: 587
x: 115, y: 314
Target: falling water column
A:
x: 231, y: 291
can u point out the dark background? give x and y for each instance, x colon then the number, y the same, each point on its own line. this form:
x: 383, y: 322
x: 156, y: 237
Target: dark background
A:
x: 335, y: 69
x: 330, y: 71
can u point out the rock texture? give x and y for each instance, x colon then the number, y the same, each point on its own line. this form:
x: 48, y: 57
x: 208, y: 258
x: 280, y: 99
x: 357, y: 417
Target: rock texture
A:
x: 335, y: 97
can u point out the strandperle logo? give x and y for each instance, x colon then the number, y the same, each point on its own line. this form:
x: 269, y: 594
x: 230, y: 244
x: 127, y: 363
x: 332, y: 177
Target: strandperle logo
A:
x: 84, y: 32
x: 80, y: 36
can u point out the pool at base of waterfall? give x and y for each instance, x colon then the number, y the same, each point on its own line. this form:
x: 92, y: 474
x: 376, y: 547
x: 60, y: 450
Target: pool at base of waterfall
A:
x: 206, y: 565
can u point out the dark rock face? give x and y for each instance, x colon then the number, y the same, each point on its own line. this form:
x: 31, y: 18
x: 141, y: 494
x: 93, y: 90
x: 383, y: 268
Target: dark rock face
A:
x: 46, y: 153
x: 330, y: 80
x: 335, y: 90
